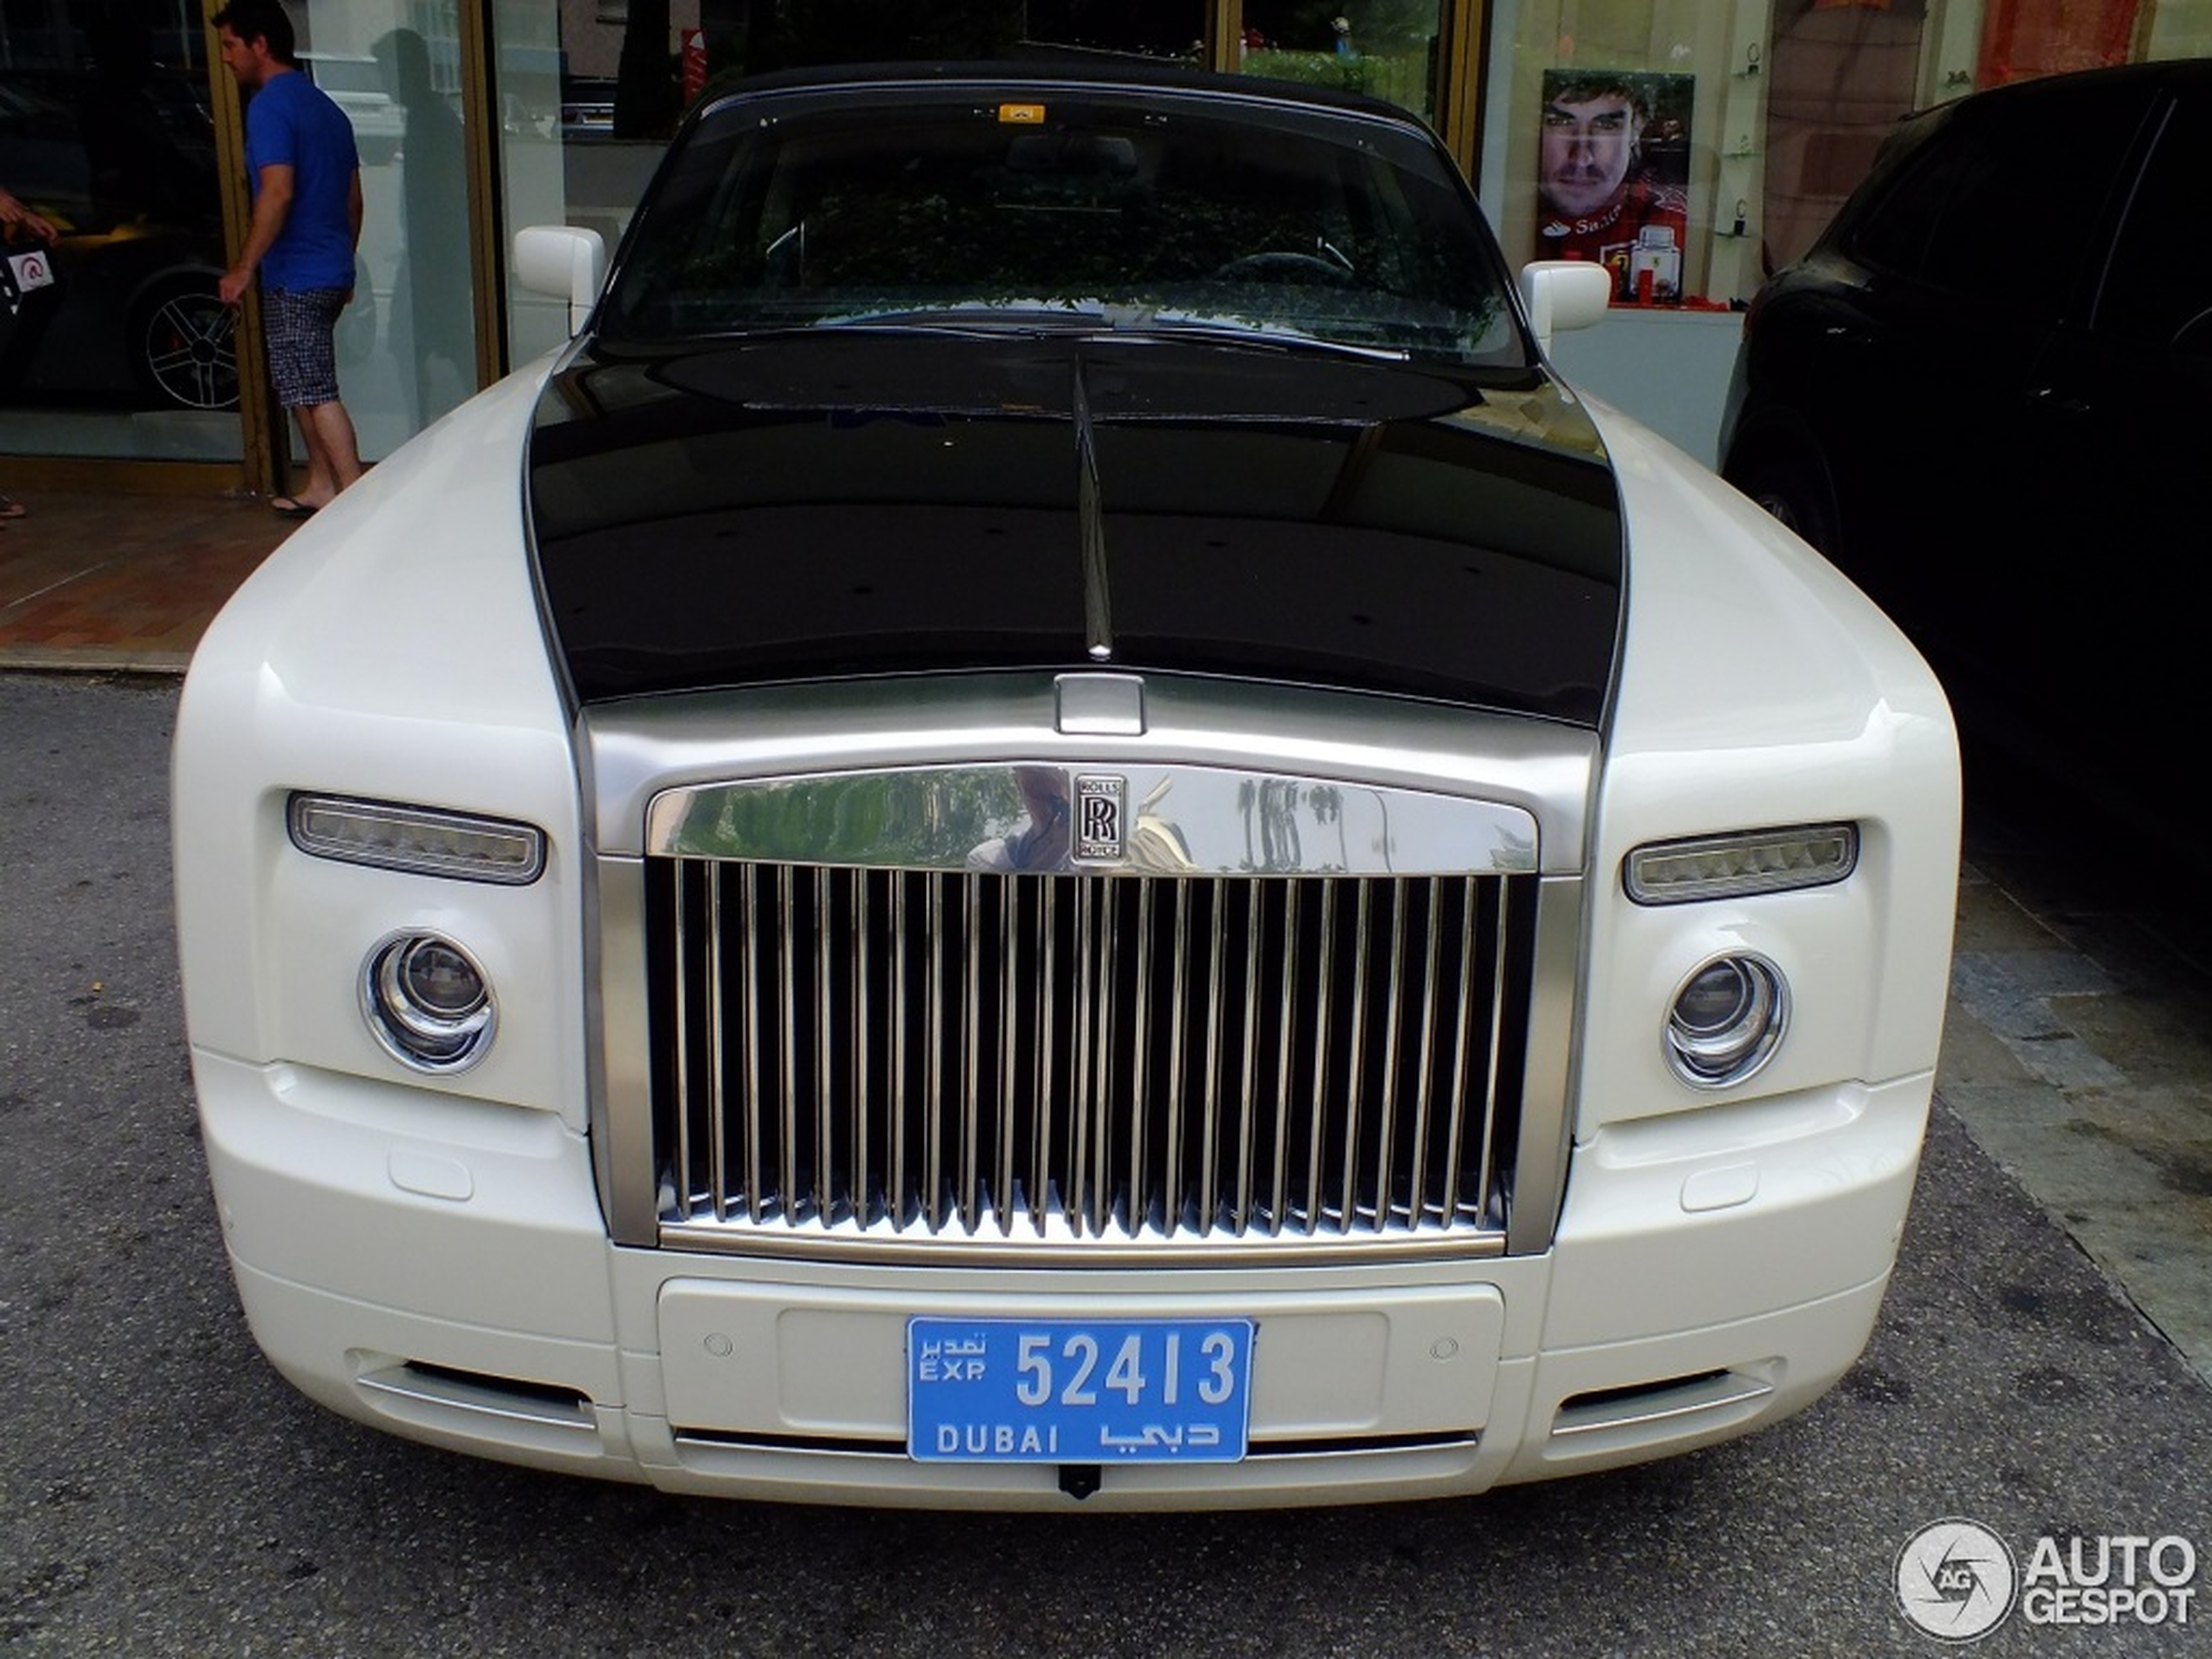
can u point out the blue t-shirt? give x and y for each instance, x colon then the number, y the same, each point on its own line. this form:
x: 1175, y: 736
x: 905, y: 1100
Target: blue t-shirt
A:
x: 292, y: 122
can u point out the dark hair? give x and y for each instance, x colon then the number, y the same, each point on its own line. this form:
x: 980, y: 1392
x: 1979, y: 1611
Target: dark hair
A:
x: 1587, y: 85
x: 252, y: 20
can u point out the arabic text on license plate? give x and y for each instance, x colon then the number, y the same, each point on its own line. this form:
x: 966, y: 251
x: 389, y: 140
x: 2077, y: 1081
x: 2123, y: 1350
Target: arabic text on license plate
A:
x: 1077, y: 1390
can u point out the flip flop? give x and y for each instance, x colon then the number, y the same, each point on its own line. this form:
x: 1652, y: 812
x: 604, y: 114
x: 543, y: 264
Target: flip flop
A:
x: 11, y: 508
x: 284, y: 507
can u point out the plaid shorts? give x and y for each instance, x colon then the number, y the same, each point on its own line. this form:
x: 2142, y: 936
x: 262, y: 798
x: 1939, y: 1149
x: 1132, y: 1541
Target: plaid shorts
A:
x: 303, y: 360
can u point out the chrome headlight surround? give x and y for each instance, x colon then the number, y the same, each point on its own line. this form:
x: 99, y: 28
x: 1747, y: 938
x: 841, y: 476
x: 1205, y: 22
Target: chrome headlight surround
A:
x: 420, y: 840
x: 426, y: 1003
x: 1741, y: 863
x: 1726, y: 1020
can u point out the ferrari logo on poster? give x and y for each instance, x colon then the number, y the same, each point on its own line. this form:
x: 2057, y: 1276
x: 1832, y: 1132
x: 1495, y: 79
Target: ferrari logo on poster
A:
x: 30, y: 270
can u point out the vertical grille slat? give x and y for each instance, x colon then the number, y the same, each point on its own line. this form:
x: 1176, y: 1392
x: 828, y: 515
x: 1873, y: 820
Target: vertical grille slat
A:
x: 974, y: 1040
x: 1285, y: 1049
x: 1098, y: 1189
x: 718, y: 1081
x: 680, y: 1051
x: 933, y: 1079
x: 1248, y: 1071
x: 1425, y: 1051
x: 1139, y: 1069
x: 1003, y: 1108
x: 1208, y: 1083
x: 1392, y: 1026
x: 857, y: 1094
x: 1089, y: 1041
x: 898, y: 953
x: 824, y: 1060
x: 755, y: 1183
x: 1318, y: 1104
x: 1176, y: 1091
x: 1486, y: 1127
x: 1043, y: 1079
x: 1355, y: 1055
x: 1085, y: 1059
x: 788, y: 1104
x: 1463, y: 1020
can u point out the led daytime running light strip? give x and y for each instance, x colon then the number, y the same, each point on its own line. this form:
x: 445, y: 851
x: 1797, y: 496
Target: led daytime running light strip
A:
x: 418, y: 840
x: 1723, y: 866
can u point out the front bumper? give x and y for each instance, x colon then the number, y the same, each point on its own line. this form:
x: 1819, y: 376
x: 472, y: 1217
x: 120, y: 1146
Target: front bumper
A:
x: 440, y: 1268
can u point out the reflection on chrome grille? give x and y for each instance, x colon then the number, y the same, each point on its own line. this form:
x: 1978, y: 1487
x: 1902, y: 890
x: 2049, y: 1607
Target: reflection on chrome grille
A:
x: 1082, y: 1058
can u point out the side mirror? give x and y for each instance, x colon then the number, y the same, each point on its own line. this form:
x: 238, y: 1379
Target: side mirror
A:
x: 1563, y: 294
x: 563, y: 262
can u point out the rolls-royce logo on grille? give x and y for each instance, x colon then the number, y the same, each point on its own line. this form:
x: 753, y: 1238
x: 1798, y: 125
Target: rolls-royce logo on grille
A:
x: 1102, y: 828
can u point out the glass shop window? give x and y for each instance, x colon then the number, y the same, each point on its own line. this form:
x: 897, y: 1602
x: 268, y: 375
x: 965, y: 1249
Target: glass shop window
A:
x: 1384, y: 48
x: 407, y: 344
x: 1162, y: 30
x: 116, y: 345
x: 1691, y: 148
x: 587, y: 98
x: 1696, y: 149
x: 589, y: 94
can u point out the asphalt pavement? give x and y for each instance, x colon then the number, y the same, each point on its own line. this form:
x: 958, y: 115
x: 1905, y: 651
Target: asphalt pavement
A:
x: 163, y: 1491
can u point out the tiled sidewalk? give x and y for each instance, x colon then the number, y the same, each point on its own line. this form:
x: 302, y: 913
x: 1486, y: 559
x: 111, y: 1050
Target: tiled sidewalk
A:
x: 121, y: 583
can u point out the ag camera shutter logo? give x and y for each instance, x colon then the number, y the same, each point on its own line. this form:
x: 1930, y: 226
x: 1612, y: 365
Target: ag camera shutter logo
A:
x: 1956, y: 1580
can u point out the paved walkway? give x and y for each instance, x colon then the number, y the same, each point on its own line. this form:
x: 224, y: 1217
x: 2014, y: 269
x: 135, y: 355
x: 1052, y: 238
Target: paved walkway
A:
x: 122, y: 582
x: 2078, y: 1048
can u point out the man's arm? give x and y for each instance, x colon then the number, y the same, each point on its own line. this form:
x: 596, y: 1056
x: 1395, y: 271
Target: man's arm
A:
x: 353, y: 213
x: 271, y: 204
x: 14, y: 217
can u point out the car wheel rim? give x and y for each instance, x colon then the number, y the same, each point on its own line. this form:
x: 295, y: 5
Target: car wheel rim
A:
x: 1778, y: 508
x: 190, y: 348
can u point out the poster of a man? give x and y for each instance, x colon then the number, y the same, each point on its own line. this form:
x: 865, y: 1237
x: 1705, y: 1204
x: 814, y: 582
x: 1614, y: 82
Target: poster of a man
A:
x: 1612, y: 170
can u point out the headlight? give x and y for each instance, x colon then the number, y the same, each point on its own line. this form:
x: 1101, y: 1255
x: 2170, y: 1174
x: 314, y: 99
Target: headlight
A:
x: 427, y: 1003
x: 1726, y: 1021
x: 417, y: 838
x: 1724, y: 867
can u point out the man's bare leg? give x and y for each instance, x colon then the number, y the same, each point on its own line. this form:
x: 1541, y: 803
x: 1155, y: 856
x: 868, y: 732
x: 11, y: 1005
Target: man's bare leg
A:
x: 333, y: 452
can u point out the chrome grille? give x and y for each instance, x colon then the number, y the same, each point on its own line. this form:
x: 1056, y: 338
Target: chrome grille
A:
x: 1083, y: 1059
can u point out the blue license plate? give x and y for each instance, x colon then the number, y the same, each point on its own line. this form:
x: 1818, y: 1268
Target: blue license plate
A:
x: 1077, y: 1390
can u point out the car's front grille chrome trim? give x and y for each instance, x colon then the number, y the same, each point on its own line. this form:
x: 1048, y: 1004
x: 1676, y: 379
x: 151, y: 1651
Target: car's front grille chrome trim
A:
x: 849, y: 1058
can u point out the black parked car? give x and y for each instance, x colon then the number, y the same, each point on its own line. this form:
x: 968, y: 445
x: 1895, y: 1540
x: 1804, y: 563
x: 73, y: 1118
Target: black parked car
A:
x: 1986, y: 394
x: 122, y: 164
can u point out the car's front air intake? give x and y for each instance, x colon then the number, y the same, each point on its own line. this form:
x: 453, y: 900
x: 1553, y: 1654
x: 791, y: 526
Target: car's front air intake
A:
x: 1083, y: 1061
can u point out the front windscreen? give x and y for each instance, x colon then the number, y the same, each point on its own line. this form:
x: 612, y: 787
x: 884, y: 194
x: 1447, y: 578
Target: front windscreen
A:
x: 1136, y: 211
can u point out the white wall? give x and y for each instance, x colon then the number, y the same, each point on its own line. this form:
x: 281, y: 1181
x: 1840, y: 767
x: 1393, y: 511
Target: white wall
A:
x: 1669, y: 369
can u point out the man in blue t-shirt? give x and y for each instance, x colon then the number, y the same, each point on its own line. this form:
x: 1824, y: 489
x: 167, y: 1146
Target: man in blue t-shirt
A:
x: 306, y: 222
